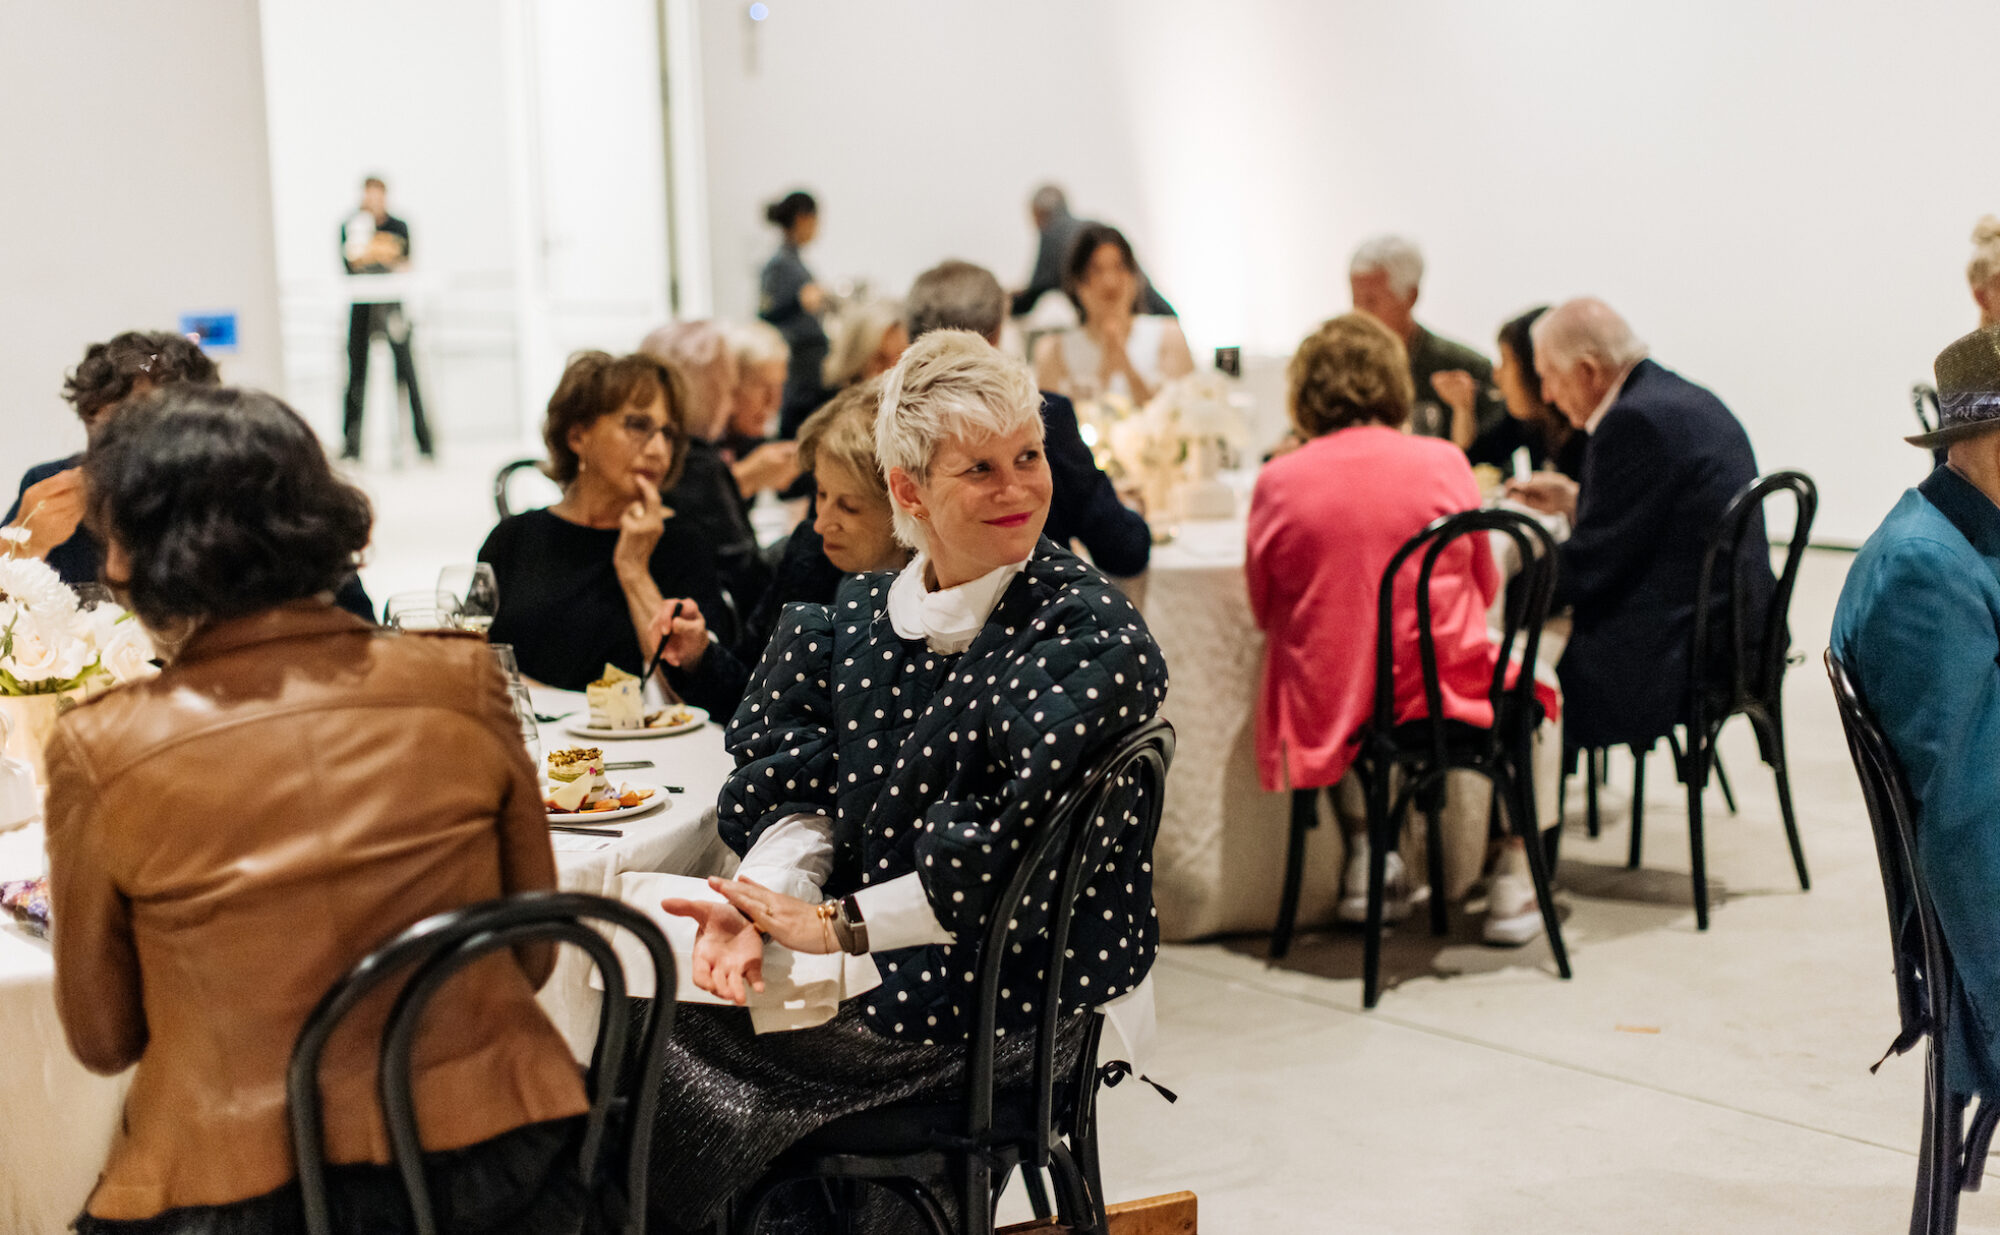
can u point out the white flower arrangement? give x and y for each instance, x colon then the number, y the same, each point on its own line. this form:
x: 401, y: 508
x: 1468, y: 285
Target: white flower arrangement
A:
x: 49, y: 645
x: 1188, y: 410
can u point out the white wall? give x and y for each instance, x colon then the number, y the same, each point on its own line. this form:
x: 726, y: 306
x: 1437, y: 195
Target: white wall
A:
x: 137, y: 189
x: 1778, y: 193
x: 920, y: 127
x: 522, y: 142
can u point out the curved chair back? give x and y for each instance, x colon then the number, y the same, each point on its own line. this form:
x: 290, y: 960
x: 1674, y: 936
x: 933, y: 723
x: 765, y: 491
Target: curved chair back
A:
x: 1134, y: 769
x: 1525, y: 613
x: 623, y: 1083
x: 1756, y: 658
x: 504, y: 483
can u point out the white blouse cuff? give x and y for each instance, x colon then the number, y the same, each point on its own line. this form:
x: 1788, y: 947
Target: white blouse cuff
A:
x: 898, y: 915
x: 793, y: 857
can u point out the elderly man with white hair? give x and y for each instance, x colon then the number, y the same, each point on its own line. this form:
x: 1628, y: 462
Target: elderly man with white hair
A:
x: 1456, y: 397
x: 1665, y: 458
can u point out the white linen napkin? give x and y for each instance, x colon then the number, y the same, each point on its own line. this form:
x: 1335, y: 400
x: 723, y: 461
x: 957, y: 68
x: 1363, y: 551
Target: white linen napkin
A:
x: 801, y: 990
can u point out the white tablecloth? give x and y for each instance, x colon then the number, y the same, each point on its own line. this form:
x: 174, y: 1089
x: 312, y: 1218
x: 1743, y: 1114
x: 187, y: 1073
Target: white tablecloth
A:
x: 58, y: 1119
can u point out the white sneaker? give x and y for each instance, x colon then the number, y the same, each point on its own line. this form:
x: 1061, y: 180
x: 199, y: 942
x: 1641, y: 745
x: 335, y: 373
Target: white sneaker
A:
x: 1513, y: 917
x: 1353, y: 905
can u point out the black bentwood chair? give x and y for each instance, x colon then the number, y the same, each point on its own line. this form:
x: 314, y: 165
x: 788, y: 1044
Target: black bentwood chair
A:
x: 623, y: 1079
x: 504, y: 502
x: 1953, y: 1157
x: 1751, y: 679
x: 1420, y: 754
x: 977, y: 1141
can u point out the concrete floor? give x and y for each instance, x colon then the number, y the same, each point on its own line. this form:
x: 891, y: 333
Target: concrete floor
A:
x: 1681, y: 1082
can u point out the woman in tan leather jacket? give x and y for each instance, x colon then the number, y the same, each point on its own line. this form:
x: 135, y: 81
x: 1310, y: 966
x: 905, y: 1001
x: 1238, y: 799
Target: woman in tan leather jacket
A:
x: 228, y: 838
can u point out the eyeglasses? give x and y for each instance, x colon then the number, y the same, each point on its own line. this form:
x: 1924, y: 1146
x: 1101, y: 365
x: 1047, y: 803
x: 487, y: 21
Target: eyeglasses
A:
x: 642, y: 428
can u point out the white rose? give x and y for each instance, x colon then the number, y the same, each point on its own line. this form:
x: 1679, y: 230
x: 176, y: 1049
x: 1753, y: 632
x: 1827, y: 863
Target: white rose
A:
x: 44, y: 656
x: 127, y: 653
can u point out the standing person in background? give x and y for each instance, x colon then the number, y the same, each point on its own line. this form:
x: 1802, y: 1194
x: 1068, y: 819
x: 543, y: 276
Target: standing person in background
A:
x: 1984, y: 270
x: 1117, y: 349
x: 375, y: 242
x: 789, y: 299
x: 1455, y: 395
x: 1056, y: 231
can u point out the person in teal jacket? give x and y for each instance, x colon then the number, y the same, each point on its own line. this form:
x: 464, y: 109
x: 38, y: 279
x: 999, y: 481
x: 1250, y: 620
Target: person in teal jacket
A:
x: 1918, y: 627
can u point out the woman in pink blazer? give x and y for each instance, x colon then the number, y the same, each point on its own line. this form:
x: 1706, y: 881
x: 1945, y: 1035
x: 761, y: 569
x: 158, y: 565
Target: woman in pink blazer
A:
x: 1324, y: 522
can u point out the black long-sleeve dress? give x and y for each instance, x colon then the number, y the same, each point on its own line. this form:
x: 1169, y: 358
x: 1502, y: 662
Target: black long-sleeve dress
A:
x: 932, y: 764
x: 564, y: 611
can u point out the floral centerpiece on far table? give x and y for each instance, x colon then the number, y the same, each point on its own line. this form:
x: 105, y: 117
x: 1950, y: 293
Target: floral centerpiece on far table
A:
x: 55, y: 650
x: 1175, y: 446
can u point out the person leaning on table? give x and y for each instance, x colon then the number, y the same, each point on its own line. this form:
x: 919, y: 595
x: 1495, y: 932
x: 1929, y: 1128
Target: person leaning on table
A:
x: 893, y: 755
x: 230, y: 837
x: 1918, y: 626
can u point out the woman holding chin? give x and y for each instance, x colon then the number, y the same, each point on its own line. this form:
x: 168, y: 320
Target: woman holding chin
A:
x: 584, y: 583
x: 891, y: 752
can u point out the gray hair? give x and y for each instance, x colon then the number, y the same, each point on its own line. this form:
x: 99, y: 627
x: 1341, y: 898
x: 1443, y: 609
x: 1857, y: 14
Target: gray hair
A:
x: 1585, y: 329
x: 956, y: 295
x: 758, y: 343
x: 856, y: 334
x: 1049, y: 200
x: 952, y: 385
x: 700, y: 352
x: 1394, y: 256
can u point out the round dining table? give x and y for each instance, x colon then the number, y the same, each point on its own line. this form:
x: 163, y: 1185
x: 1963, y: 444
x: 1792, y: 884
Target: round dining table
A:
x: 57, y: 1119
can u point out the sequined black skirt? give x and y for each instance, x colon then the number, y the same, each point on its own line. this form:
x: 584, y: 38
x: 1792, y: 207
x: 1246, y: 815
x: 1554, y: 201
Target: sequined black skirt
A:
x: 732, y: 1101
x: 523, y: 1182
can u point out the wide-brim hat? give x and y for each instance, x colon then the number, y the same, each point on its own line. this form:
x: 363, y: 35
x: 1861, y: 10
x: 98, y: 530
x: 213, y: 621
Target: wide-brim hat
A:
x: 1968, y: 388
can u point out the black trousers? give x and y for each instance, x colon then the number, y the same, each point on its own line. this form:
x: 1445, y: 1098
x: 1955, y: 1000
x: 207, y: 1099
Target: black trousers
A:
x: 364, y: 322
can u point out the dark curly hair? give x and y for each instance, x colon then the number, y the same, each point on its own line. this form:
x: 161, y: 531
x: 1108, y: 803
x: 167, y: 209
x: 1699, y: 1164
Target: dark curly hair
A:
x: 223, y: 502
x: 1076, y: 264
x: 790, y: 208
x: 110, y: 371
x: 596, y: 384
x: 1351, y: 371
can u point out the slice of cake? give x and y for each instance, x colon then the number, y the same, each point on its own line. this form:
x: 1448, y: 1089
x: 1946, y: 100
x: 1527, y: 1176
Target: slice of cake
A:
x: 576, y: 778
x: 617, y: 700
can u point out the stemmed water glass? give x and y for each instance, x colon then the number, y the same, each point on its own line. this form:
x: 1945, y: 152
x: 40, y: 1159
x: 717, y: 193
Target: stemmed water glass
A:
x: 524, y: 704
x: 421, y: 611
x: 476, y: 592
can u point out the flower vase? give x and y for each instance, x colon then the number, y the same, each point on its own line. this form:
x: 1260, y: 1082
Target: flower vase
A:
x: 30, y: 722
x: 1204, y: 496
x: 1159, y: 492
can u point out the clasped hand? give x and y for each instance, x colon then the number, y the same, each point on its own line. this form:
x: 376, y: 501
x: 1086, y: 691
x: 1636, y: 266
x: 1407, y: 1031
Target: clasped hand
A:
x: 728, y: 957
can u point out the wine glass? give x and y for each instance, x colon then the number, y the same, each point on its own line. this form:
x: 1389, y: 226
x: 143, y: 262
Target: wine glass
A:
x: 476, y: 592
x: 91, y: 595
x: 420, y: 611
x: 531, y: 732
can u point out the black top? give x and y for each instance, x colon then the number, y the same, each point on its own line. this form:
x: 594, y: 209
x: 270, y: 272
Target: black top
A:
x: 394, y: 227
x: 1431, y: 354
x: 1085, y: 505
x: 805, y: 575
x: 562, y: 609
x: 1496, y: 446
x: 939, y: 765
x: 80, y: 559
x: 1662, y: 465
x: 784, y: 277
x: 709, y: 506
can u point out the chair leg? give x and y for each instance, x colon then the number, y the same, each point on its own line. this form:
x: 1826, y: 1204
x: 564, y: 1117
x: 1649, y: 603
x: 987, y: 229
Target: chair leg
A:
x: 1638, y: 806
x: 1434, y: 861
x: 1780, y: 768
x: 1380, y: 837
x: 1521, y: 806
x: 1037, y: 1189
x: 1722, y: 779
x: 1590, y: 790
x: 1305, y: 816
x: 1695, y: 775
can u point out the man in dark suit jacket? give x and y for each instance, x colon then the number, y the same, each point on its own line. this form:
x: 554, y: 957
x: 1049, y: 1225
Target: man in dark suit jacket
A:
x: 957, y: 295
x: 1665, y: 458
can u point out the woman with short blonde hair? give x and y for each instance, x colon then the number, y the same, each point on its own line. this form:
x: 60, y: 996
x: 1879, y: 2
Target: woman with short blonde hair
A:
x: 1351, y: 371
x: 867, y: 339
x: 891, y: 761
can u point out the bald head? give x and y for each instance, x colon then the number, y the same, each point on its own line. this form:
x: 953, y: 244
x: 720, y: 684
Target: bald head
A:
x: 1582, y: 349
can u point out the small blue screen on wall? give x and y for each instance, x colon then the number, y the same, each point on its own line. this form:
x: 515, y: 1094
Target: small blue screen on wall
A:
x: 216, y: 332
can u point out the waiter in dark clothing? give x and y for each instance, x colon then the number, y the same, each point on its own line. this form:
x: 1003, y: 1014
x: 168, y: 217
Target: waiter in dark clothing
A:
x: 375, y: 242
x: 789, y: 299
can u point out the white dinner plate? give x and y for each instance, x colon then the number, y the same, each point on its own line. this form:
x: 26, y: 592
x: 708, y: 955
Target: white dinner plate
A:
x: 583, y: 729
x: 658, y: 800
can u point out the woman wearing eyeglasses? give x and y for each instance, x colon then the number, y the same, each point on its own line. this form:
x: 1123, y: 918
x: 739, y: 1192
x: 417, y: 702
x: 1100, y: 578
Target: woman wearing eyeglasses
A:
x: 583, y: 581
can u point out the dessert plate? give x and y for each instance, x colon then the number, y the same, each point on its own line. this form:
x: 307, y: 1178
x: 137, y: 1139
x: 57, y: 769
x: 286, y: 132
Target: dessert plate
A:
x: 658, y: 800
x: 695, y: 719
